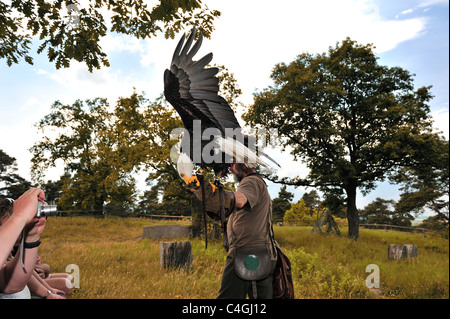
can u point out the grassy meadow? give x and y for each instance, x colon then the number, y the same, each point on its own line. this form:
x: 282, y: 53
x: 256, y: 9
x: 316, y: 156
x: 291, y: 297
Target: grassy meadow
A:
x: 114, y: 262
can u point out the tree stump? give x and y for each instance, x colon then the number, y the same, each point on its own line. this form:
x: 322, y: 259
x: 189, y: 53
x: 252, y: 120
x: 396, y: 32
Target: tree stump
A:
x: 396, y: 252
x: 175, y: 254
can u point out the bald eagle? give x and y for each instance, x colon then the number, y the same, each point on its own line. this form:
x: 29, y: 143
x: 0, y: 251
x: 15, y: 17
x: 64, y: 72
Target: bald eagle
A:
x: 213, y: 137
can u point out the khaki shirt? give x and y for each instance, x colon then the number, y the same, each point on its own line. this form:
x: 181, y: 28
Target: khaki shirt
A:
x: 249, y: 225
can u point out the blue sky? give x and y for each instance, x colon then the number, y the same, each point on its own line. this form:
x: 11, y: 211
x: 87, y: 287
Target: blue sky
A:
x: 250, y: 38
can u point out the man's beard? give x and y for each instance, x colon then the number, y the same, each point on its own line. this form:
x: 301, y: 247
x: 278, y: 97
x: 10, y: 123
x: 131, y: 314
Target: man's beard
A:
x: 239, y: 175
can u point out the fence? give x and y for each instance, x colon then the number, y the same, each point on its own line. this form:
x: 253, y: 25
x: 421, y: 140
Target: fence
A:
x: 408, y: 229
x: 386, y: 227
x: 419, y: 230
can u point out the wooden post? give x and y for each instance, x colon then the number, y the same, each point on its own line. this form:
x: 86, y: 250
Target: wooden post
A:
x: 175, y: 254
x: 396, y: 252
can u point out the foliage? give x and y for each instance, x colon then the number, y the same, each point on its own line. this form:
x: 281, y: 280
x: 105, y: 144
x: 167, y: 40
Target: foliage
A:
x: 281, y: 204
x: 435, y: 223
x: 323, y: 279
x: 300, y: 212
x: 353, y: 121
x: 427, y: 186
x: 11, y: 184
x: 380, y: 211
x: 71, y: 31
x: 99, y: 149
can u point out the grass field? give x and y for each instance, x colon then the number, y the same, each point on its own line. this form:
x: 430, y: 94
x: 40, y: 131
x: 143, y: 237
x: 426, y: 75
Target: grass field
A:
x: 114, y: 262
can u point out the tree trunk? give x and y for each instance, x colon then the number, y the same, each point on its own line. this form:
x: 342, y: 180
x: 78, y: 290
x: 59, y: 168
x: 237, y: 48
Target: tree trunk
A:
x: 98, y: 205
x: 352, y: 214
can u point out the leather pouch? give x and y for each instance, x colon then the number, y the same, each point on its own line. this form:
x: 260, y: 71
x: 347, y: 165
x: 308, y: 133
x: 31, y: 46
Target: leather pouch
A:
x: 252, y: 263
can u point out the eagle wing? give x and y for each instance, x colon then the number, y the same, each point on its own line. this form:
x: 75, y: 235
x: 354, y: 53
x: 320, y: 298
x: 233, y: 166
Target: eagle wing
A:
x: 193, y: 89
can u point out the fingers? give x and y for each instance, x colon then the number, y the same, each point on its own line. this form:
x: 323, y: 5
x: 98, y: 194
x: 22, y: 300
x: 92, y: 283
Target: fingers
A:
x: 26, y: 205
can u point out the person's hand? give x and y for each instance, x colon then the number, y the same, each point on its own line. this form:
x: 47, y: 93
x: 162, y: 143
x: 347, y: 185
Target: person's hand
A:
x: 41, y: 273
x: 57, y: 291
x: 55, y: 296
x: 25, y: 207
x: 34, y: 229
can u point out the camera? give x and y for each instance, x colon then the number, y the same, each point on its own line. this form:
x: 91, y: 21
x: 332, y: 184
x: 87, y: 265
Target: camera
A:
x: 46, y: 210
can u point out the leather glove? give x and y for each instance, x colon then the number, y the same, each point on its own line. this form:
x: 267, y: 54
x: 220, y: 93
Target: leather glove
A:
x: 212, y: 197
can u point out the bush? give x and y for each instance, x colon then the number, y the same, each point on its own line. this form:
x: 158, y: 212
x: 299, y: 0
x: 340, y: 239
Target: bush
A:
x: 315, y: 279
x: 299, y: 212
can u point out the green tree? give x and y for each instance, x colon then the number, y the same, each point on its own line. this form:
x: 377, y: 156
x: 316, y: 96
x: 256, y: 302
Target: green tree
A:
x: 99, y: 147
x: 435, y: 223
x: 299, y: 212
x: 70, y: 30
x: 149, y: 200
x: 53, y: 191
x: 12, y: 185
x: 381, y: 211
x: 281, y: 203
x: 353, y: 121
x: 427, y: 187
x: 312, y: 200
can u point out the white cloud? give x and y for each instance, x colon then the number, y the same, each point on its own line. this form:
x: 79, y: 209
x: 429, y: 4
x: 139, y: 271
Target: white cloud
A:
x: 423, y: 4
x: 427, y: 3
x: 441, y: 121
x: 252, y: 36
x: 408, y: 11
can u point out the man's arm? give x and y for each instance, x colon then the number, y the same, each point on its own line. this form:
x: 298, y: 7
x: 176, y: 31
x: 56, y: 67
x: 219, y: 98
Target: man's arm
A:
x: 241, y: 199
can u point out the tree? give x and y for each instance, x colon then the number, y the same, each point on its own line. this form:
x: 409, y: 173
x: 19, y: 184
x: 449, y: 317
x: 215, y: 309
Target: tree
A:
x: 149, y: 200
x: 353, y: 121
x: 435, y: 223
x: 70, y: 31
x: 312, y: 200
x: 281, y: 203
x: 381, y: 211
x: 53, y: 191
x: 427, y: 187
x: 100, y: 147
x: 299, y: 212
x: 13, y: 184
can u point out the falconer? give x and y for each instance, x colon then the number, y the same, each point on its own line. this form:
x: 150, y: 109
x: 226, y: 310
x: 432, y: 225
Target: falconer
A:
x: 251, y: 256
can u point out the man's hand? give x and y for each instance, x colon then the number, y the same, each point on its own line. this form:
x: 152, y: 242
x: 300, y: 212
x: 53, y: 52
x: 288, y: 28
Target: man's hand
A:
x: 212, y: 197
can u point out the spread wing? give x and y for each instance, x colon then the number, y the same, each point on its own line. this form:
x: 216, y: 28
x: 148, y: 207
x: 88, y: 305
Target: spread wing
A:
x: 192, y: 89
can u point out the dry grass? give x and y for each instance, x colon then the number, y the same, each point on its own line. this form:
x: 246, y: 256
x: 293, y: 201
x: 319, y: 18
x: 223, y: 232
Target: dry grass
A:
x: 115, y: 263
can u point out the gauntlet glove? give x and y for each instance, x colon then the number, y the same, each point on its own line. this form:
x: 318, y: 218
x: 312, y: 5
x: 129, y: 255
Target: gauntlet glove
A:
x: 212, y: 198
